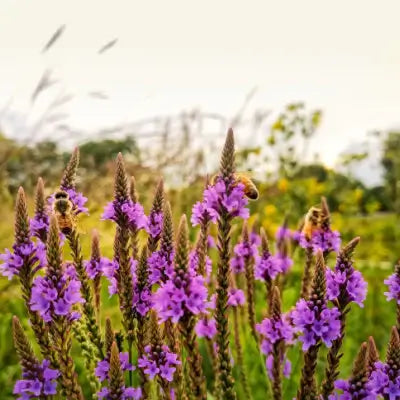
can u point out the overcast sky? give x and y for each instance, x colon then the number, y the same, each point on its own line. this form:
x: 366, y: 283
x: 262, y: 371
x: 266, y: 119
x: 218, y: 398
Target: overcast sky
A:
x: 342, y: 56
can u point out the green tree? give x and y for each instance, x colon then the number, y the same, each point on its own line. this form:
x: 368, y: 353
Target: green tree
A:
x: 391, y: 164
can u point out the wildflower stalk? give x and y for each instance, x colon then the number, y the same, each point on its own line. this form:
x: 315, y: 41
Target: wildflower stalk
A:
x: 134, y: 231
x: 307, y: 274
x: 156, y: 208
x: 121, y: 256
x: 393, y: 352
x: 89, y: 352
x: 372, y: 355
x: 202, y: 245
x: 142, y: 320
x: 188, y: 321
x: 268, y: 280
x: 60, y: 326
x: 225, y: 379
x: 109, y: 338
x: 96, y: 256
x: 308, y: 388
x: 26, y: 274
x: 342, y: 303
x: 69, y: 177
x: 156, y: 342
x: 360, y: 372
x: 397, y: 273
x: 278, y: 347
x: 40, y: 207
x: 239, y: 355
x: 88, y: 307
x: 116, y: 375
x: 249, y: 272
x: 23, y: 348
x: 170, y: 334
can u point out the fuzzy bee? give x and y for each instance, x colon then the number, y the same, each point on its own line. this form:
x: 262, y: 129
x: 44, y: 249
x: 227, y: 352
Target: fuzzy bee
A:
x: 312, y: 221
x: 63, y: 210
x: 250, y: 189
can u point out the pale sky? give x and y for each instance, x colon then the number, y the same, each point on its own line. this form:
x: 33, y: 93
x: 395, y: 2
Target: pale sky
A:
x: 342, y: 56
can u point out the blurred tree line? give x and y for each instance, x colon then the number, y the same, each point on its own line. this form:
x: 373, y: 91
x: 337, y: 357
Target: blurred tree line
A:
x: 288, y: 183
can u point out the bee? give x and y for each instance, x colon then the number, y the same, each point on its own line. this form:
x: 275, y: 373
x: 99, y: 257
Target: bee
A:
x: 250, y: 189
x: 63, y: 210
x: 312, y: 221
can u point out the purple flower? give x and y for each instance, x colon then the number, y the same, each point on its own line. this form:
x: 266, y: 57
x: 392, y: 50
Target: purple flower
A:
x: 267, y: 267
x: 194, y: 264
x: 243, y: 251
x: 393, y: 283
x: 103, y: 367
x: 315, y: 322
x: 126, y: 210
x: 235, y: 297
x: 161, y: 265
x: 154, y: 224
x: 142, y: 299
x: 110, y: 271
x: 206, y: 327
x: 223, y: 197
x: 95, y: 268
x: 287, y: 365
x: 128, y: 394
x: 159, y: 361
x: 283, y: 233
x: 56, y: 297
x: 39, y: 225
x: 272, y: 331
x: 345, y: 283
x: 385, y: 381
x: 283, y: 261
x: 349, y: 390
x: 23, y: 254
x: 321, y: 240
x: 39, y: 381
x: 201, y: 213
x: 184, y: 293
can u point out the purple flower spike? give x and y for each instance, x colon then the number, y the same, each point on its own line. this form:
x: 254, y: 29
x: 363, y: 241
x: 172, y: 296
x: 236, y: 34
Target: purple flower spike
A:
x: 132, y: 212
x: 161, y: 266
x: 222, y: 197
x: 243, y: 250
x: 37, y: 382
x: 103, y: 367
x: 283, y: 233
x: 22, y: 254
x: 206, y: 327
x: 39, y: 225
x: 385, y: 381
x: 321, y: 240
x: 159, y: 361
x: 52, y: 299
x: 344, y: 282
x: 154, y: 224
x: 184, y: 293
x: 200, y: 213
x: 236, y: 297
x: 393, y: 283
x: 95, y: 268
x: 315, y: 323
x: 273, y: 330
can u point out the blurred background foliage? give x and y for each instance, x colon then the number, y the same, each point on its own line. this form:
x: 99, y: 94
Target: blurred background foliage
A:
x: 288, y: 182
